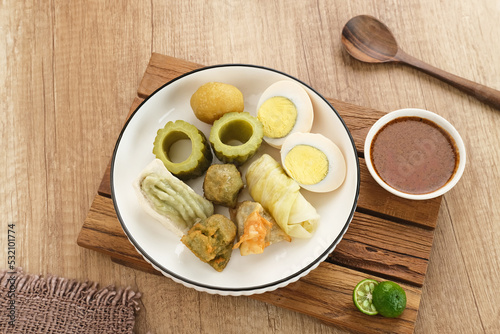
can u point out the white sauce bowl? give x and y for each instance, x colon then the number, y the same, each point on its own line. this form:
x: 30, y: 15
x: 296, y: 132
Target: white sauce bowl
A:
x: 443, y: 123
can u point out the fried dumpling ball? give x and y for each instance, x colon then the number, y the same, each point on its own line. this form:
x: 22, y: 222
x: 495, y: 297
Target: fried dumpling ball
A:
x: 214, y: 99
x: 222, y: 184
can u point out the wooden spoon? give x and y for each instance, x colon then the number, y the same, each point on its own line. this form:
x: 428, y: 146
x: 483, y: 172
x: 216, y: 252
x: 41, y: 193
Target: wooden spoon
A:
x: 369, y: 40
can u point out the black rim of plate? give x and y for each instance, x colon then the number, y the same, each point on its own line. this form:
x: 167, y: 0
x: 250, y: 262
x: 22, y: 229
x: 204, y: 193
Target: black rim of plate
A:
x: 214, y: 289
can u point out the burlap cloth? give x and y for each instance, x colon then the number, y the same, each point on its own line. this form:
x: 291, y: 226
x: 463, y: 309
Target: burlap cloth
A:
x: 59, y: 305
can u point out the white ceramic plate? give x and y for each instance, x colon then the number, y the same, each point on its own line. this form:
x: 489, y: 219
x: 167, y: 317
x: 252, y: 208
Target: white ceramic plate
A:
x: 281, y: 263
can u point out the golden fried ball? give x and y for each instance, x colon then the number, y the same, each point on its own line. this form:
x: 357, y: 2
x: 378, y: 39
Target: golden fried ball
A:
x: 214, y: 99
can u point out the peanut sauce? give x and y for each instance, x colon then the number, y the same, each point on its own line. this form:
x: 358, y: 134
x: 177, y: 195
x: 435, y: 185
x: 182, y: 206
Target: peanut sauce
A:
x: 414, y: 155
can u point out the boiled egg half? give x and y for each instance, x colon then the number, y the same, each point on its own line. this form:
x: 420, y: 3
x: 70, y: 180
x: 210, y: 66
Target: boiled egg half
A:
x: 284, y: 108
x: 314, y: 161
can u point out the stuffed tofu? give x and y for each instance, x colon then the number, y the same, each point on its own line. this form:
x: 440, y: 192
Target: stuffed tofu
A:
x: 211, y: 240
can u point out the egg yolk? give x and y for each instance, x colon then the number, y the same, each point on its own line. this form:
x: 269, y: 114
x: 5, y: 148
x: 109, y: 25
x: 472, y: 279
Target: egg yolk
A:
x: 278, y: 116
x: 306, y: 164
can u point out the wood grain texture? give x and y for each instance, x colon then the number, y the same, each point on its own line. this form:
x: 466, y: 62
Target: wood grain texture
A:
x: 70, y: 72
x: 395, y: 249
x: 378, y: 246
x: 325, y: 294
x: 370, y: 40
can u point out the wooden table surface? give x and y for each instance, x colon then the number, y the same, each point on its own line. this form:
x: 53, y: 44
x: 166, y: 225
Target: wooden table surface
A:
x: 70, y: 71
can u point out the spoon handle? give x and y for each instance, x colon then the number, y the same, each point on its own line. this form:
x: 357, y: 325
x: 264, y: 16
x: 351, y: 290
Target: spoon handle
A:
x: 485, y: 94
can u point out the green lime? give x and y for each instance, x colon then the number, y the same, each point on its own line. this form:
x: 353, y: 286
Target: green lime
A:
x: 362, y: 296
x: 389, y: 299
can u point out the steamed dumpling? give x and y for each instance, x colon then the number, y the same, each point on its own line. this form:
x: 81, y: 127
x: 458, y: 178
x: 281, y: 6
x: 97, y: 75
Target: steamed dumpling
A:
x: 169, y: 200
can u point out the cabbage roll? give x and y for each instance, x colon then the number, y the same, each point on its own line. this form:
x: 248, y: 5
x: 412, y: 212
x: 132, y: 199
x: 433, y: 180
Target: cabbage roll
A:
x: 280, y: 195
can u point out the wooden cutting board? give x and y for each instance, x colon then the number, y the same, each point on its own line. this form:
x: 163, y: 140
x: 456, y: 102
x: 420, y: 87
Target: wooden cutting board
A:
x: 388, y: 238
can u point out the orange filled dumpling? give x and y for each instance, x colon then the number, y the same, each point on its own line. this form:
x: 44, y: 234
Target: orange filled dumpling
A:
x: 256, y: 228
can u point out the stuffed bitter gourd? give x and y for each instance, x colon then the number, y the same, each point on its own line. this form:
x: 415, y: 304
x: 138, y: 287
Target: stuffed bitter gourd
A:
x: 198, y: 161
x: 236, y: 137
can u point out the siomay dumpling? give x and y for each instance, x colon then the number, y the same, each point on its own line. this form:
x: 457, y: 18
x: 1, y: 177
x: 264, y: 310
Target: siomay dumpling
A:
x: 169, y: 200
x: 256, y: 228
x: 280, y: 195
